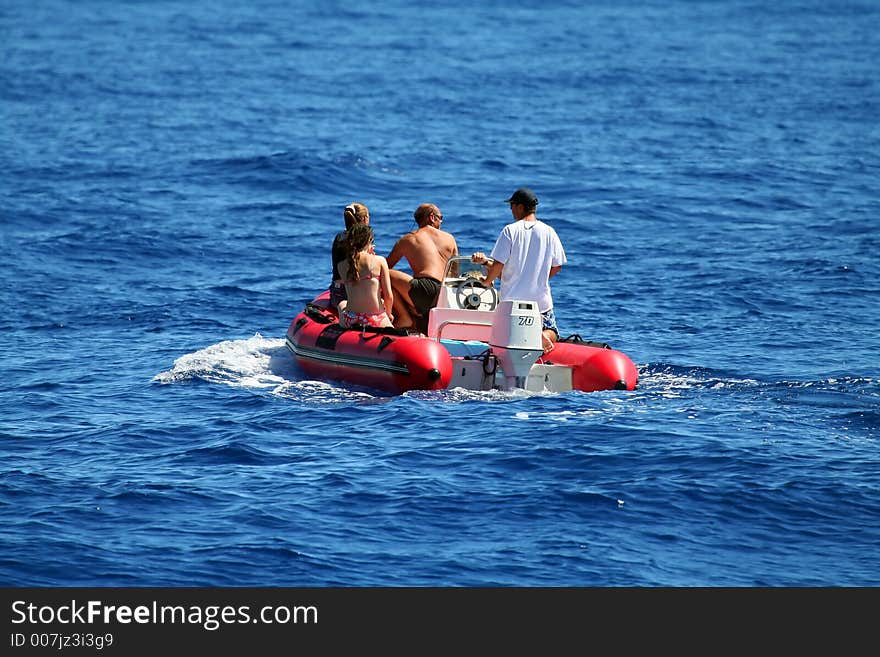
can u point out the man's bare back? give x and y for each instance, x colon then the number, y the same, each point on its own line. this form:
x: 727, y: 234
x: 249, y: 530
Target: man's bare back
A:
x: 426, y: 250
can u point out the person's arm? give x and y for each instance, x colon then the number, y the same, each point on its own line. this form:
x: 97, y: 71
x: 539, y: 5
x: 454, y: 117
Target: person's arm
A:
x: 453, y: 269
x: 385, y: 284
x: 396, y: 254
x: 493, y: 271
x: 493, y: 267
x: 554, y: 271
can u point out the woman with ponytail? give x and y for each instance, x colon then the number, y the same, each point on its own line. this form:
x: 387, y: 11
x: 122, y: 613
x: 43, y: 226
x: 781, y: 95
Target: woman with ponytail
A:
x: 367, y: 282
x: 354, y: 213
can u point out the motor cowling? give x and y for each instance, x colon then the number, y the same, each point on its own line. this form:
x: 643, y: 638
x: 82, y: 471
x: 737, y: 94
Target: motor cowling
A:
x: 515, y: 339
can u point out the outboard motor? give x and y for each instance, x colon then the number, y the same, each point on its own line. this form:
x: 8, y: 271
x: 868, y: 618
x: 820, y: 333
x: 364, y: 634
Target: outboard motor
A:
x: 516, y: 339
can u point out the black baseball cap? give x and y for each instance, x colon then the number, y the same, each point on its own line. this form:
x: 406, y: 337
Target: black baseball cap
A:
x: 525, y: 196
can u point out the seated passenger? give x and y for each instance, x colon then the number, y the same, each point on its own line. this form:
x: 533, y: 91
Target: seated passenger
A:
x: 427, y: 250
x: 354, y: 213
x: 367, y: 282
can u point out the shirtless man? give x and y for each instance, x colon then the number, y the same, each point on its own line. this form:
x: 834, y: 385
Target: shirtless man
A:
x: 426, y: 249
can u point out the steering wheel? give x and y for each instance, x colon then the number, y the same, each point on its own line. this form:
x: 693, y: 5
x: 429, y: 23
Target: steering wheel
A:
x: 473, y: 294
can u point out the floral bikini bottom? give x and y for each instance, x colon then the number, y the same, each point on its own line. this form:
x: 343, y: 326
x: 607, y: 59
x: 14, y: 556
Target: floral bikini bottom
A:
x: 350, y: 317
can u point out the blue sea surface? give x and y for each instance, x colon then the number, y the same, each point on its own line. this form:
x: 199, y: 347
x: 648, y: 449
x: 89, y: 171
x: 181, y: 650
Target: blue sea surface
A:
x: 174, y: 173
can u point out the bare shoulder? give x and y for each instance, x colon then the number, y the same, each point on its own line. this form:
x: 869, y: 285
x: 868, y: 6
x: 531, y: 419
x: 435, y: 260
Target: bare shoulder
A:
x: 406, y: 239
x: 448, y: 240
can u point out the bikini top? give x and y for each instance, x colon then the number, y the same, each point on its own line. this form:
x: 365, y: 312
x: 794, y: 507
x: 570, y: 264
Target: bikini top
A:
x: 362, y: 278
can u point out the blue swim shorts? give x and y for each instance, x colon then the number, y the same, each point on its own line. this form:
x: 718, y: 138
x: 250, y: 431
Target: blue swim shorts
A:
x: 548, y: 321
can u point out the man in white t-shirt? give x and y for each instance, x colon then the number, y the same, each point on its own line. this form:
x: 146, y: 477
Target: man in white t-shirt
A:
x: 526, y: 255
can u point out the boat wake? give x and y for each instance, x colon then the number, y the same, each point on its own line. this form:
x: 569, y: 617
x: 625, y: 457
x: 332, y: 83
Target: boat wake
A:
x: 257, y: 363
x: 672, y: 380
x: 265, y: 364
x: 253, y: 363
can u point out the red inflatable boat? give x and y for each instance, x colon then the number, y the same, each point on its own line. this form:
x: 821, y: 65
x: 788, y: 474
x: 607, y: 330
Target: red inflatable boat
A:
x: 473, y: 341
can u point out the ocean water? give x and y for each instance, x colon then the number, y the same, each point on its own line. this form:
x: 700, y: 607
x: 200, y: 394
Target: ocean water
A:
x: 173, y: 174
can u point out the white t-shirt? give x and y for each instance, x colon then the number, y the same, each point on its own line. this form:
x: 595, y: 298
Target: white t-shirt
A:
x: 528, y: 249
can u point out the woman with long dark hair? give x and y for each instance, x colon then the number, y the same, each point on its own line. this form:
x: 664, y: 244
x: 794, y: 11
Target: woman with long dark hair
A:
x: 367, y: 282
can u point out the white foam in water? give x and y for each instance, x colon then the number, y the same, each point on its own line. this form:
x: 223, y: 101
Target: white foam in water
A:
x: 672, y: 384
x: 319, y: 392
x: 245, y: 363
x: 256, y: 363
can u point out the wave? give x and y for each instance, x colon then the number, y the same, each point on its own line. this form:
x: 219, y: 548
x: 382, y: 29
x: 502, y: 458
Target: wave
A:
x: 291, y: 170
